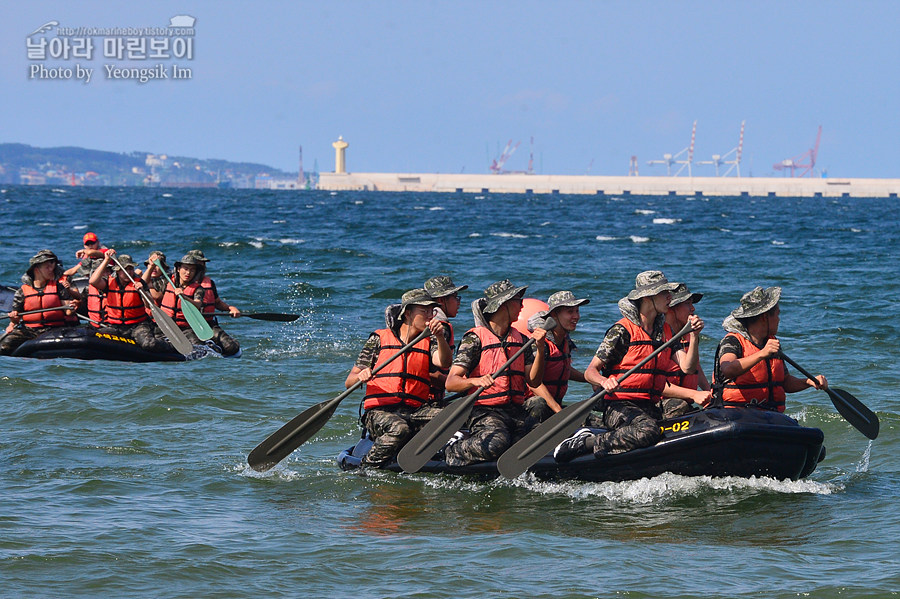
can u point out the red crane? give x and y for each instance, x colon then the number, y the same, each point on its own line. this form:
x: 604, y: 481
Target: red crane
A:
x: 497, y: 164
x: 797, y: 163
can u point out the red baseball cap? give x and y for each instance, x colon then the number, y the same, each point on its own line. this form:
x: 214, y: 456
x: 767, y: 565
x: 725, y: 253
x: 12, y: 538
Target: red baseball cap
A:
x: 90, y: 237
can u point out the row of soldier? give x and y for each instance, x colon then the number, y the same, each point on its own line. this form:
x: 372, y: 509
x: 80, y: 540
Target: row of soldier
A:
x: 113, y: 296
x: 404, y: 394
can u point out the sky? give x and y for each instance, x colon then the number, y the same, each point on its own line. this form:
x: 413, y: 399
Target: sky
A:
x: 427, y: 86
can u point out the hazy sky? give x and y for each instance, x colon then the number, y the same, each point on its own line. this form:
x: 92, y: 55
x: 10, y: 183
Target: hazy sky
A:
x: 442, y: 86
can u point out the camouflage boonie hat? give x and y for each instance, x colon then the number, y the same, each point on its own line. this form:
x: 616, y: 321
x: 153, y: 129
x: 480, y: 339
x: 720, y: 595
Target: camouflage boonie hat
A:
x: 756, y: 302
x: 193, y: 257
x: 683, y: 294
x: 159, y: 256
x: 650, y: 282
x: 125, y: 260
x: 415, y: 297
x: 39, y: 258
x: 499, y: 293
x: 564, y: 298
x: 442, y: 286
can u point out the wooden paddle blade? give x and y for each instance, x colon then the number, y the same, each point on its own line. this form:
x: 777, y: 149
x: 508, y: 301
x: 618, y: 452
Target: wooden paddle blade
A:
x: 544, y: 438
x: 434, y: 435
x: 862, y: 418
x: 292, y: 435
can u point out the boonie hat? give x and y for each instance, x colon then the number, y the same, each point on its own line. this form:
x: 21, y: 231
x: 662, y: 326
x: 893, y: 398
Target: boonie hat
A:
x: 683, y: 294
x: 499, y: 293
x: 415, y: 297
x: 89, y: 237
x: 125, y: 260
x: 564, y: 298
x: 159, y: 256
x: 756, y: 302
x: 39, y: 258
x: 442, y: 286
x: 193, y: 257
x: 650, y: 282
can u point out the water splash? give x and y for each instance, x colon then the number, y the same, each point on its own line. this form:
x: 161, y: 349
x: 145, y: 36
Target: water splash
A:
x: 863, y: 465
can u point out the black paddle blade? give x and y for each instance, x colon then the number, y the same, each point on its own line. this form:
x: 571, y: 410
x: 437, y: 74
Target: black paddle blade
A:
x: 436, y: 433
x: 854, y: 412
x: 543, y: 439
x: 292, y: 435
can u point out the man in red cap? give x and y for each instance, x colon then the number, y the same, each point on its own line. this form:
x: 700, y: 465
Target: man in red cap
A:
x: 91, y: 255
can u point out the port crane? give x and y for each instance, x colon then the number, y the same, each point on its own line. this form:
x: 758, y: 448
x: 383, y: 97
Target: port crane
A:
x: 497, y: 164
x: 735, y: 163
x: 670, y: 159
x: 797, y: 163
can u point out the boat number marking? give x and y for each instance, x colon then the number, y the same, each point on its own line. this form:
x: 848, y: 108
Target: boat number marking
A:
x: 677, y: 426
x: 115, y: 338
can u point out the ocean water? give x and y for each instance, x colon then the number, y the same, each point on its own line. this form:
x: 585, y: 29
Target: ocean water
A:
x: 130, y: 480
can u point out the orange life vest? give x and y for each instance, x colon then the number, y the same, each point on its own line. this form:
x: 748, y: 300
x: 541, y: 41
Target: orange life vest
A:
x: 509, y: 386
x: 680, y: 378
x: 556, y: 370
x: 405, y: 379
x: 762, y: 385
x: 437, y: 389
x: 123, y: 304
x: 46, y: 297
x: 171, y: 303
x: 649, y: 381
x: 96, y: 305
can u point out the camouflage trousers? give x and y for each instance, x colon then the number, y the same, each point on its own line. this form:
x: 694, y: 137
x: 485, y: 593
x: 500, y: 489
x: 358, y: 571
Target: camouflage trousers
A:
x: 673, y: 407
x: 11, y: 341
x: 228, y: 344
x: 630, y: 425
x: 537, y: 408
x: 493, y: 429
x: 390, y: 428
x: 145, y: 334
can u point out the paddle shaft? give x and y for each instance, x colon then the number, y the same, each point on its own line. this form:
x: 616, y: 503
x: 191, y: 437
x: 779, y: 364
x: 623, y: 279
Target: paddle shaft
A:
x: 2, y: 316
x: 272, y: 316
x: 292, y: 435
x: 540, y: 441
x: 857, y: 414
x: 192, y: 314
x: 171, y: 330
x: 435, y: 434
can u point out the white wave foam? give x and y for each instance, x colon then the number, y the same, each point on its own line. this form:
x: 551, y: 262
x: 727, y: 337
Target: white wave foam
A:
x: 56, y: 190
x: 852, y: 230
x: 776, y: 242
x: 257, y: 244
x: 474, y: 234
x: 79, y: 227
x: 512, y: 235
x: 289, y: 241
x: 638, y: 239
x: 436, y: 208
x: 605, y: 238
x: 666, y: 221
x: 670, y: 486
x: 479, y: 197
x: 278, y: 222
x: 639, y: 211
x: 167, y: 195
x: 48, y: 224
x: 358, y: 202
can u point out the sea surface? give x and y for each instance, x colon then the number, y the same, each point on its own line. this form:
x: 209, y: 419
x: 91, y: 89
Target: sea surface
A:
x: 130, y: 480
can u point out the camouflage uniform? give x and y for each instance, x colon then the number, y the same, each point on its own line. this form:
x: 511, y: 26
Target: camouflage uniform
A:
x: 493, y: 429
x: 391, y: 426
x: 536, y: 406
x: 226, y: 342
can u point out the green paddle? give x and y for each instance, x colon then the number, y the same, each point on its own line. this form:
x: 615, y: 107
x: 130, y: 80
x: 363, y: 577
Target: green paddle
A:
x: 434, y: 435
x: 553, y: 431
x: 171, y: 330
x: 192, y: 313
x: 853, y: 410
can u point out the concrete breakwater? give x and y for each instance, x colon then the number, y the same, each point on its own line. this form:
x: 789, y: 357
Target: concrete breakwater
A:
x: 617, y: 186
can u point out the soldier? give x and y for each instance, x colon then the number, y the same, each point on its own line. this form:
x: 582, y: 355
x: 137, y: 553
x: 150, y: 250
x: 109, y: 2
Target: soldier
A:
x: 632, y: 406
x: 153, y: 278
x: 748, y: 370
x: 687, y: 356
x: 498, y: 418
x: 397, y: 397
x: 446, y: 294
x: 546, y: 399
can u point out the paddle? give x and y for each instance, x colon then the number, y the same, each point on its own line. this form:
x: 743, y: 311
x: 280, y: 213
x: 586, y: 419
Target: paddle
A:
x: 853, y: 410
x: 298, y: 431
x: 553, y: 431
x: 192, y: 313
x: 174, y: 334
x: 2, y: 316
x: 435, y: 434
x: 272, y: 316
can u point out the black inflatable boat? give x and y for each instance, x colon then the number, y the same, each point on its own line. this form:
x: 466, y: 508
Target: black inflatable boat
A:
x: 87, y: 343
x: 741, y: 442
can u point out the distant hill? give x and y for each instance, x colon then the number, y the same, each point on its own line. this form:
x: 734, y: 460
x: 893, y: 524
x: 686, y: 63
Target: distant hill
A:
x: 24, y: 164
